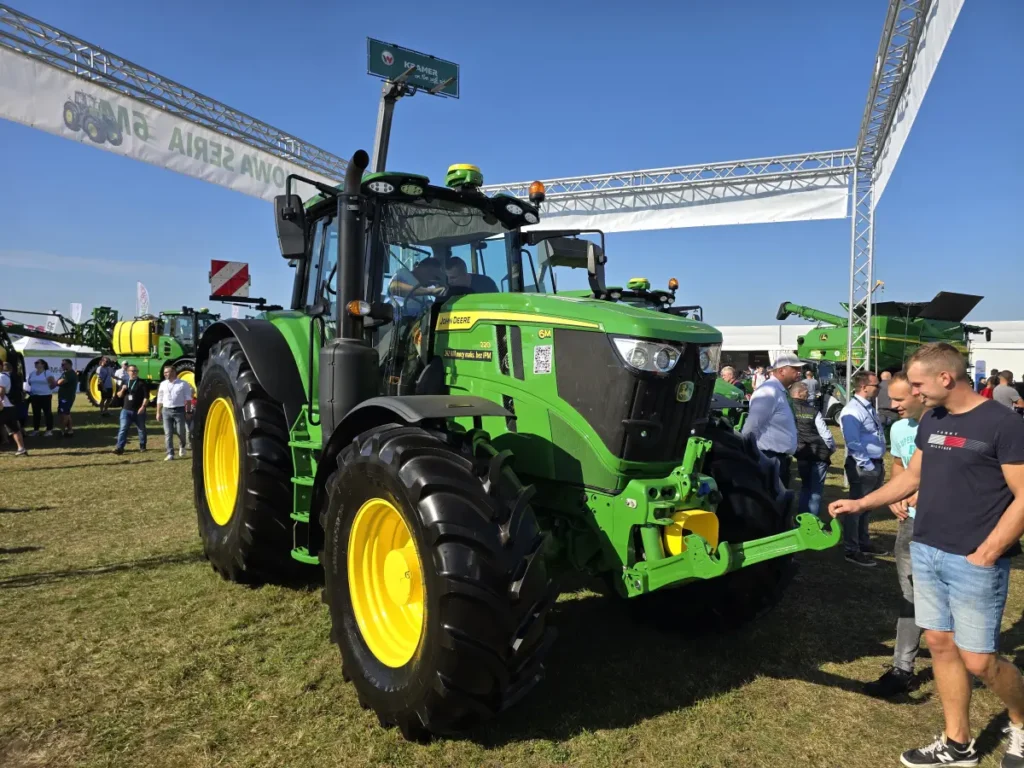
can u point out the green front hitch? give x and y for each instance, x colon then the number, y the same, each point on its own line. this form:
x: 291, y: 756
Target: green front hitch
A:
x: 700, y: 561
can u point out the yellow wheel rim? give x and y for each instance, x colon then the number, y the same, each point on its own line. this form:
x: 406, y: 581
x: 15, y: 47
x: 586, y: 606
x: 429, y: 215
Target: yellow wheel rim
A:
x: 220, y: 460
x: 190, y: 377
x: 69, y: 116
x: 385, y: 582
x: 94, y: 388
x: 93, y: 131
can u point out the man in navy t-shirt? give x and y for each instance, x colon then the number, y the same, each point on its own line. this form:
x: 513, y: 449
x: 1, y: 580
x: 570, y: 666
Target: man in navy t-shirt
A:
x: 968, y: 470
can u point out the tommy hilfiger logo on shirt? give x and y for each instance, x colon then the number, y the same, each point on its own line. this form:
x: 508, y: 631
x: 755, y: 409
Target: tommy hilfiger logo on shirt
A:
x: 949, y: 442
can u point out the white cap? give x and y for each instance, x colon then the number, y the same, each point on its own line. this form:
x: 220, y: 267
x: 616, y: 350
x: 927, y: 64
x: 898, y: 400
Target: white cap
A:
x: 784, y: 359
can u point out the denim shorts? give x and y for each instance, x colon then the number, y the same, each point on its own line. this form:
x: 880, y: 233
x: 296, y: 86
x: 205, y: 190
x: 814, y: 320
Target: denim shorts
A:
x: 954, y: 595
x: 64, y: 406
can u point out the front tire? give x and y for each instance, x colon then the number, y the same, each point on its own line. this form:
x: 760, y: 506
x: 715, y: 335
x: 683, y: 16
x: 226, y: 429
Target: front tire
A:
x: 93, y: 129
x: 435, y: 580
x: 241, y: 471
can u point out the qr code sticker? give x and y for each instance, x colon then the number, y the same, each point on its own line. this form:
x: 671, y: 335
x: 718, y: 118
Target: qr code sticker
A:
x: 542, y: 359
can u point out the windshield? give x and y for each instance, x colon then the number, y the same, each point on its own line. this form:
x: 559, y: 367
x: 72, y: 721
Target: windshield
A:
x: 437, y: 248
x: 205, y: 321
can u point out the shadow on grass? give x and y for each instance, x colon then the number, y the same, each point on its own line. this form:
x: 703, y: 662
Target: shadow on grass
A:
x: 143, y: 564
x: 99, y: 466
x: 608, y: 672
x: 18, y: 550
x: 16, y: 510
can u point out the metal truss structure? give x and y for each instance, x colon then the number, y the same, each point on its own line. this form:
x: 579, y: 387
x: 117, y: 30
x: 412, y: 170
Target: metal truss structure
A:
x: 900, y: 37
x: 38, y: 40
x: 684, y: 185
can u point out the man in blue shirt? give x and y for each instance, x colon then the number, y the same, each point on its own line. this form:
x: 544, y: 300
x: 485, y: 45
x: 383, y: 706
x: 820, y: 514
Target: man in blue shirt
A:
x: 770, y: 418
x: 908, y: 635
x: 864, y: 436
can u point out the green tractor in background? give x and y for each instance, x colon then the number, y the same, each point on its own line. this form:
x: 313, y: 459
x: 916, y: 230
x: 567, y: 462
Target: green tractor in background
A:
x: 444, y: 439
x: 149, y: 343
x: 94, y: 116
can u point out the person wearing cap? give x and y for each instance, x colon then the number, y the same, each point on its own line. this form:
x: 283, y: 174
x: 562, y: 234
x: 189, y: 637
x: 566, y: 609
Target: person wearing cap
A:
x: 770, y: 417
x: 864, y: 435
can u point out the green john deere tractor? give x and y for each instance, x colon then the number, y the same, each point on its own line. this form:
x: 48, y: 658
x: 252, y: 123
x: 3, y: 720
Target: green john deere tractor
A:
x: 149, y: 343
x: 444, y: 438
x: 94, y: 116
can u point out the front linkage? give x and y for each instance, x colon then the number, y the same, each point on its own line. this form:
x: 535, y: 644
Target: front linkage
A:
x: 679, y: 530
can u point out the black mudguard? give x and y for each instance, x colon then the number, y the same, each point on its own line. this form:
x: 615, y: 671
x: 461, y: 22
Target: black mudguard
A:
x: 269, y: 355
x: 408, y: 409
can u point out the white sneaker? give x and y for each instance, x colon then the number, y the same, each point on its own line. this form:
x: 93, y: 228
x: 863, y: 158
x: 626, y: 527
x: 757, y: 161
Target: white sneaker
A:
x: 48, y: 433
x: 34, y: 433
x: 170, y: 457
x: 181, y: 452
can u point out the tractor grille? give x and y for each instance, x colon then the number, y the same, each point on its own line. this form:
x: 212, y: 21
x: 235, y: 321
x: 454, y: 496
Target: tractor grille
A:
x: 637, y: 416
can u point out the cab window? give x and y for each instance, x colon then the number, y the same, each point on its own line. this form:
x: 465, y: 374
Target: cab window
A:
x: 320, y: 278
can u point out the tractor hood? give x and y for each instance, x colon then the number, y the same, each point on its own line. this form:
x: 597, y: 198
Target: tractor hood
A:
x: 574, y: 312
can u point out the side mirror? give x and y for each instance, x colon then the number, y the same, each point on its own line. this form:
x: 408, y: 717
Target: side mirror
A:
x: 576, y: 254
x: 290, y: 218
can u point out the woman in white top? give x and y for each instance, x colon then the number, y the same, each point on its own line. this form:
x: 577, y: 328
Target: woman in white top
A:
x: 40, y: 385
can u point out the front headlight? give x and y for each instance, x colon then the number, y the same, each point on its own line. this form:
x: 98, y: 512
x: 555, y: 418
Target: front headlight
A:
x: 710, y: 357
x: 647, y: 356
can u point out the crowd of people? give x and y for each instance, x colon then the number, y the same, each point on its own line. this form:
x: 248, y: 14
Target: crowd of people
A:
x: 120, y: 388
x: 956, y: 488
x: 957, y: 491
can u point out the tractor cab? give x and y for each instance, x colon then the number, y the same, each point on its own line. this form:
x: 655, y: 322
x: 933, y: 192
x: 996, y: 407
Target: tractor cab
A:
x: 186, y: 326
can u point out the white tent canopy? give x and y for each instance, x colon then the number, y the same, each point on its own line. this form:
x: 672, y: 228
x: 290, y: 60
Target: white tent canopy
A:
x: 53, y: 352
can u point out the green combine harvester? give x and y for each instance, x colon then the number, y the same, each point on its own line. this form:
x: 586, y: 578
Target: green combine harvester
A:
x: 444, y: 439
x: 897, y: 329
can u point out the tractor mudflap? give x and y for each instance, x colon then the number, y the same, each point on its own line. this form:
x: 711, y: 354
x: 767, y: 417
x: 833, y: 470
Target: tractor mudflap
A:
x: 699, y: 561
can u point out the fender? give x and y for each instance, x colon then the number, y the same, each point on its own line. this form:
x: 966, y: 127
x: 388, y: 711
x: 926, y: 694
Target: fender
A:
x: 408, y: 409
x: 268, y: 354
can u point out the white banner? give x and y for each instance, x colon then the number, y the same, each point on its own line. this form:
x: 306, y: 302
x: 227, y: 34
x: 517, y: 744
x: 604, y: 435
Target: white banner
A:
x: 941, y: 17
x: 695, y: 207
x: 234, y: 311
x: 52, y: 325
x: 141, y: 299
x: 76, y: 313
x: 43, y: 97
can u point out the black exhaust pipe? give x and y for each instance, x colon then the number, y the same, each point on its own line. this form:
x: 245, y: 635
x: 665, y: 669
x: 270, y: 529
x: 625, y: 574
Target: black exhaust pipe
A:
x: 350, y: 246
x: 348, y: 365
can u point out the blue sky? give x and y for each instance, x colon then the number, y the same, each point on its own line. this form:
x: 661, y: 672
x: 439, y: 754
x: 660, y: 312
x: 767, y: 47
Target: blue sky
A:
x: 548, y: 90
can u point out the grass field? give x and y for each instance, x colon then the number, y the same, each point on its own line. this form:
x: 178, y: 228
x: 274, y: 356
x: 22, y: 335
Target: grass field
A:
x: 120, y: 647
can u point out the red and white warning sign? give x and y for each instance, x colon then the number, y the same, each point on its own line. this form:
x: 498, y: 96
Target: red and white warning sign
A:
x: 229, y: 279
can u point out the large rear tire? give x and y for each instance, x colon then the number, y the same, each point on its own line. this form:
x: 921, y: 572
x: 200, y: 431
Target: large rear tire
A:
x: 754, y: 505
x: 241, y: 471
x: 72, y: 118
x: 435, y: 579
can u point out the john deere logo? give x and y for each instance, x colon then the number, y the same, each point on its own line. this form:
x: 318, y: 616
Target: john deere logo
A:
x: 387, y: 57
x: 685, y: 392
x: 823, y: 337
